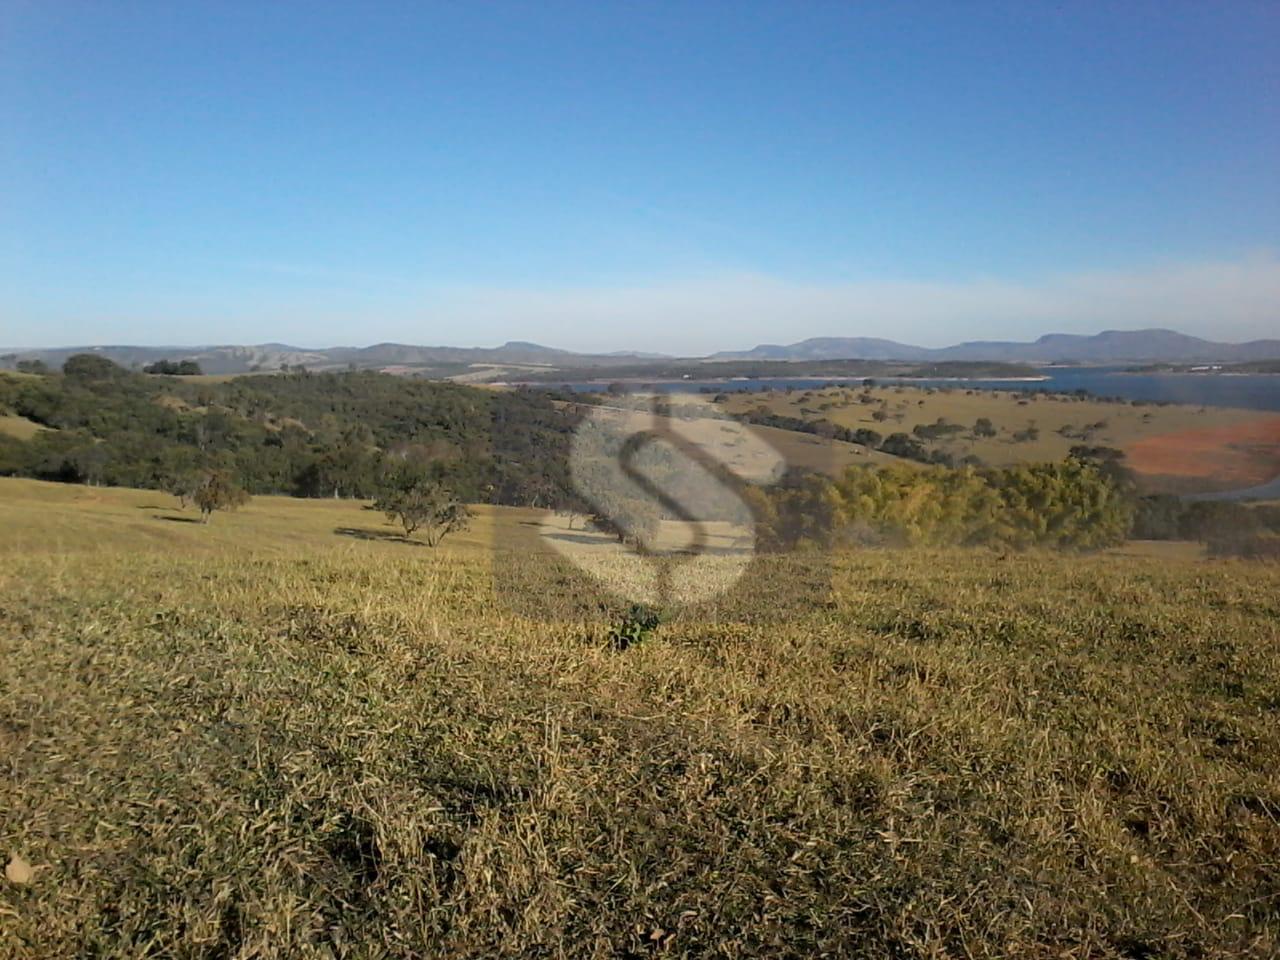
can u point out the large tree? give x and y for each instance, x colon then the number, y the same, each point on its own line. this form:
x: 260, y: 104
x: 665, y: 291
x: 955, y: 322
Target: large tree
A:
x: 420, y: 504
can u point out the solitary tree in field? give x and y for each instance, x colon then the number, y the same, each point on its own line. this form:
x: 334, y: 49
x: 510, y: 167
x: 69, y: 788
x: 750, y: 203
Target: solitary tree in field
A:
x: 630, y: 519
x: 217, y: 490
x: 984, y: 428
x: 425, y: 505
x: 184, y: 485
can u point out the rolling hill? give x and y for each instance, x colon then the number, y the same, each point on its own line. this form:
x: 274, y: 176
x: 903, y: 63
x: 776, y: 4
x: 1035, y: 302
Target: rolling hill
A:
x: 229, y: 358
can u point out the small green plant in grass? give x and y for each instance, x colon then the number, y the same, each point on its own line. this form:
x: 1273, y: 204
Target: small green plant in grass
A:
x: 635, y: 626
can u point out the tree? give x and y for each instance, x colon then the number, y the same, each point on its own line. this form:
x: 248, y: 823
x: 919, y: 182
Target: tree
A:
x: 38, y: 367
x: 184, y: 485
x: 90, y: 367
x: 170, y: 368
x: 217, y: 490
x: 801, y: 511
x: 630, y: 519
x: 1157, y: 517
x: 1069, y: 505
x: 417, y: 503
x: 868, y: 438
x: 1109, y: 461
x: 347, y: 468
x: 984, y: 427
x: 89, y: 462
x: 904, y: 445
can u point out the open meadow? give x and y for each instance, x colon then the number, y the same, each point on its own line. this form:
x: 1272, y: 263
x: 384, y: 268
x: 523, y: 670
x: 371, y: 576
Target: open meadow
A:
x: 19, y: 427
x: 287, y: 733
x: 1179, y: 448
x: 750, y: 452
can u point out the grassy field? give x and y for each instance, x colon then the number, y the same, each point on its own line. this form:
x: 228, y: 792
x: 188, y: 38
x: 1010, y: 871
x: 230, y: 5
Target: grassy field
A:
x: 748, y: 451
x: 272, y: 737
x: 19, y: 427
x: 1113, y: 424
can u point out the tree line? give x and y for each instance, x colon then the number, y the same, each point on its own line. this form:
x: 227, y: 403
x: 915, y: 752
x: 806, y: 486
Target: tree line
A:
x: 1227, y: 528
x: 1068, y: 505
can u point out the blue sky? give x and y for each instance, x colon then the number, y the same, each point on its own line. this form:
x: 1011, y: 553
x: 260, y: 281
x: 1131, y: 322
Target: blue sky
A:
x: 678, y: 177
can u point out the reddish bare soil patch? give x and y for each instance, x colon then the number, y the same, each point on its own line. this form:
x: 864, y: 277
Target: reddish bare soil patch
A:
x: 1244, y: 455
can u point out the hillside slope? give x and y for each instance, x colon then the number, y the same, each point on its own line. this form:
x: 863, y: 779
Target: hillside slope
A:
x: 278, y: 740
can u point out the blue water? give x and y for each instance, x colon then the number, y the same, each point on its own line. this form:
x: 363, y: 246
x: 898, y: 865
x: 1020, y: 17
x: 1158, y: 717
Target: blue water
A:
x: 1248, y: 391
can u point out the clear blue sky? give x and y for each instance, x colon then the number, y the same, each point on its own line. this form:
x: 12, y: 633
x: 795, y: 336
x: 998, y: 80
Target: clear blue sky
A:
x: 679, y: 177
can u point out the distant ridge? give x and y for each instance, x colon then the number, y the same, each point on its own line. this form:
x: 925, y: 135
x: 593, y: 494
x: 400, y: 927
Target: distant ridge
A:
x: 1110, y: 346
x: 226, y: 359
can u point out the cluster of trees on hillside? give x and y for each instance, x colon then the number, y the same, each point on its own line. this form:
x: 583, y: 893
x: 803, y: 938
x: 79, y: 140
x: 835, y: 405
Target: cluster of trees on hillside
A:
x: 1071, y: 505
x: 332, y: 435
x: 1228, y: 528
x: 174, y: 368
x: 898, y: 444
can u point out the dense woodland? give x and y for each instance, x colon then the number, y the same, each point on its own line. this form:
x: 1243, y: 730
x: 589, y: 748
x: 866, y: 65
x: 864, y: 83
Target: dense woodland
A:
x: 298, y: 433
x: 357, y: 434
x: 1073, y: 504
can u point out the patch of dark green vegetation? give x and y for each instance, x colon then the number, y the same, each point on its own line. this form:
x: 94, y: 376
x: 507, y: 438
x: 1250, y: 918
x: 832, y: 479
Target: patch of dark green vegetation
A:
x: 329, y: 434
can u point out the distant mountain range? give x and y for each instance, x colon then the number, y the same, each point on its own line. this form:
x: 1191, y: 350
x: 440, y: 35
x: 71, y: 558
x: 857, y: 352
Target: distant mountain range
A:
x: 1112, y: 346
x: 398, y: 357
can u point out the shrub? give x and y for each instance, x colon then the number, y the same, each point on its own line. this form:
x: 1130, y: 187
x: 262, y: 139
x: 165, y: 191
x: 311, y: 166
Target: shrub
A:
x: 217, y: 490
x: 634, y: 627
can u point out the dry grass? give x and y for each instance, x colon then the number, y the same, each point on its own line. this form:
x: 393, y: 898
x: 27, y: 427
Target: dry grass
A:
x: 264, y: 739
x: 1244, y: 455
x: 744, y: 449
x: 1126, y: 425
x: 20, y: 427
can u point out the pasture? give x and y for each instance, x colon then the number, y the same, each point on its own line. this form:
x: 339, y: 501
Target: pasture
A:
x: 19, y: 427
x: 270, y: 737
x: 1177, y: 447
